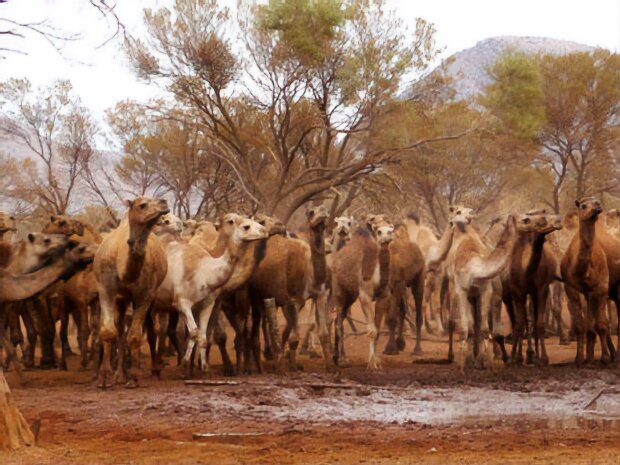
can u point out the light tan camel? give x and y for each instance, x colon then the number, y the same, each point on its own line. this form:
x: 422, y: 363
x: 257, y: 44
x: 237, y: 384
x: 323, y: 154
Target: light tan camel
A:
x: 471, y: 269
x: 129, y: 267
x: 195, y: 277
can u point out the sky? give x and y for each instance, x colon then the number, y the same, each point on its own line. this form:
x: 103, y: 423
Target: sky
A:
x: 101, y: 75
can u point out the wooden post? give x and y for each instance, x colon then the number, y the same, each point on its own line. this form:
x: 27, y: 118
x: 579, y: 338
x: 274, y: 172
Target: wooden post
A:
x: 14, y: 431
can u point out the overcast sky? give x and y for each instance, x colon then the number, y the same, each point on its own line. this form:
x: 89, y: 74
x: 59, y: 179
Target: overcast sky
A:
x: 101, y: 75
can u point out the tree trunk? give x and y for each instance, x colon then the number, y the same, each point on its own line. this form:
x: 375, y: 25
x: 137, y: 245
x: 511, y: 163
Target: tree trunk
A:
x: 14, y: 431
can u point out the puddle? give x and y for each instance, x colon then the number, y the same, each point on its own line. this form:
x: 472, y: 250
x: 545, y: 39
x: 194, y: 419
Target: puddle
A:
x: 538, y: 409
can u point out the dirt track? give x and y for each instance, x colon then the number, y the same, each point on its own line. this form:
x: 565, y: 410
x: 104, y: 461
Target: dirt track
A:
x: 426, y: 412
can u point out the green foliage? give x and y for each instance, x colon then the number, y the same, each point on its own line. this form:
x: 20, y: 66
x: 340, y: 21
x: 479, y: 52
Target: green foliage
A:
x: 306, y: 27
x: 516, y: 95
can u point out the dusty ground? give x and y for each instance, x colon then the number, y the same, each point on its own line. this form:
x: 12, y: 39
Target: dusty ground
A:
x: 420, y: 412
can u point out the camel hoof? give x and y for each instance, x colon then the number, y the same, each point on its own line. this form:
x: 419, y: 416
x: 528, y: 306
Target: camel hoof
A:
x: 131, y: 384
x: 228, y: 371
x: 119, y: 377
x: 400, y: 344
x: 418, y: 351
x: 564, y: 341
x: 103, y: 382
x: 63, y: 366
x: 530, y: 358
x: 268, y: 354
x: 47, y: 365
x: 390, y: 349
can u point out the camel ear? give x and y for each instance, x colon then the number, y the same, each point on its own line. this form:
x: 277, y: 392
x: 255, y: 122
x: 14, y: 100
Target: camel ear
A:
x: 31, y: 237
x: 53, y: 218
x: 451, y: 208
x: 128, y: 203
x: 577, y: 203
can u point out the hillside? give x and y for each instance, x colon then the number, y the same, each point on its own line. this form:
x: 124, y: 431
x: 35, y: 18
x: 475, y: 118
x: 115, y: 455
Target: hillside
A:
x: 469, y: 67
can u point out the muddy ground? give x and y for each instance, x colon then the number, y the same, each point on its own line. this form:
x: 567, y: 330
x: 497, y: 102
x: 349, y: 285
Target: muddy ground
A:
x: 416, y: 410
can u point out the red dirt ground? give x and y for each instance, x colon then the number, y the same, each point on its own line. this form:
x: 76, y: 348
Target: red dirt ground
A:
x: 426, y: 412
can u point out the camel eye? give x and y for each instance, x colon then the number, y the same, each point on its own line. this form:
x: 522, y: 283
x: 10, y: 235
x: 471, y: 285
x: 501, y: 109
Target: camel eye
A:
x: 583, y: 207
x: 246, y: 227
x: 63, y: 223
x: 526, y: 221
x: 458, y: 212
x: 142, y: 206
x: 47, y: 241
x: 230, y: 221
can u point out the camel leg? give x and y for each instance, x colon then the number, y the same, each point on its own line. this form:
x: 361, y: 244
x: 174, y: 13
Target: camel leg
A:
x: 272, y: 335
x: 339, y: 335
x: 429, y: 310
x: 519, y: 303
x: 417, y: 289
x: 161, y: 335
x: 291, y: 333
x: 321, y: 306
x: 185, y: 307
x: 151, y: 337
x: 134, y: 337
x: 498, y: 330
x: 540, y: 304
x: 368, y: 308
x: 205, y: 310
x: 80, y: 317
x: 485, y: 300
x: 11, y: 354
x: 258, y: 312
x: 220, y: 338
x: 556, y: 307
x: 452, y: 319
x: 578, y: 321
x: 107, y: 333
x: 64, y: 336
x: 24, y: 310
x: 465, y: 329
x: 386, y: 307
x: 598, y: 305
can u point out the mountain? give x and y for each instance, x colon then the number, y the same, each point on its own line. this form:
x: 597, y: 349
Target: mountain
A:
x: 469, y: 67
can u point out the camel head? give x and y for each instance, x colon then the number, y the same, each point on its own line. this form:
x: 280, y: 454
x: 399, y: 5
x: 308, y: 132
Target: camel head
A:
x: 63, y: 224
x: 189, y: 227
x: 145, y: 211
x: 7, y: 223
x: 461, y: 216
x: 44, y: 246
x: 317, y: 216
x: 383, y: 232
x: 272, y: 225
x: 571, y: 220
x: 246, y: 229
x: 343, y: 226
x: 588, y: 208
x: 169, y: 224
x: 374, y: 220
x: 538, y: 221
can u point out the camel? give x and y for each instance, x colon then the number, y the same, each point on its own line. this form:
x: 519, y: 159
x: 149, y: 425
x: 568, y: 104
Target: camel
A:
x: 532, y: 270
x: 292, y: 272
x: 195, y: 277
x: 78, y: 293
x: 7, y: 224
x: 426, y: 240
x: 129, y: 266
x: 361, y: 270
x: 27, y: 256
x: 585, y: 273
x: 471, y: 269
x: 612, y: 221
x: 14, y: 431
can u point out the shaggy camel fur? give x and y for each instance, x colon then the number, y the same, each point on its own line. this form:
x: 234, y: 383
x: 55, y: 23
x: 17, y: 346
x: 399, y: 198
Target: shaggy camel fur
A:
x: 14, y: 431
x: 471, y: 269
x: 129, y: 267
x: 196, y: 277
x: 292, y: 272
x: 585, y: 273
x: 361, y: 270
x: 532, y: 270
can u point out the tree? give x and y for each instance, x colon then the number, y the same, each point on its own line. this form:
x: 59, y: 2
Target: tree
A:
x: 569, y: 110
x: 56, y: 131
x: 292, y: 114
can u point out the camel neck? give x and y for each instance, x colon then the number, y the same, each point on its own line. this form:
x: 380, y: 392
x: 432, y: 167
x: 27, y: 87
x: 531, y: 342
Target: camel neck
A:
x: 384, y: 267
x: 24, y: 286
x: 138, y: 239
x: 317, y: 254
x: 538, y: 242
x: 586, y: 241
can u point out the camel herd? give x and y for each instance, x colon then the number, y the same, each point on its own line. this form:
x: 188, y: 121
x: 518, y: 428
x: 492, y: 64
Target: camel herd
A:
x: 180, y: 282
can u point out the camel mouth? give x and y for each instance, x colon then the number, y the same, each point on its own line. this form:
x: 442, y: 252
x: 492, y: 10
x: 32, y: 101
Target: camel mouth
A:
x: 460, y: 226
